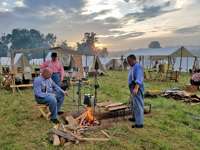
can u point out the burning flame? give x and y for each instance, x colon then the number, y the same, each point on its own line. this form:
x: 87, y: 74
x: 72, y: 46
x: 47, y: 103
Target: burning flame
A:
x: 89, y: 120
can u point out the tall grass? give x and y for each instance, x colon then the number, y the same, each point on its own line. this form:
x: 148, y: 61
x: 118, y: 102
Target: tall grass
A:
x: 170, y: 128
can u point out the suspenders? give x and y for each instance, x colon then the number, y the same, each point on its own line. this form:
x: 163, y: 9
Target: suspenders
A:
x: 132, y: 75
x: 46, y: 90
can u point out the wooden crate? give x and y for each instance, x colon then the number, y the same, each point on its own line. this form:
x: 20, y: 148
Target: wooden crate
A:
x: 191, y: 88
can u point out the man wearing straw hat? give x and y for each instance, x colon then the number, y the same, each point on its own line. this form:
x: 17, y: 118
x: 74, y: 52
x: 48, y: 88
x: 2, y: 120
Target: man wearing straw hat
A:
x: 57, y: 68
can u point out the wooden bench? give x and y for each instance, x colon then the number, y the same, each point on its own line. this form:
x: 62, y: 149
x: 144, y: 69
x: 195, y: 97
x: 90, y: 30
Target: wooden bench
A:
x: 43, y: 111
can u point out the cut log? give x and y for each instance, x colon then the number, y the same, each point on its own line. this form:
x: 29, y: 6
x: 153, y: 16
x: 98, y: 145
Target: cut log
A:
x: 113, y: 105
x: 71, y: 127
x: 60, y: 133
x: 116, y: 108
x: 85, y: 113
x: 56, y: 140
x: 72, y: 134
x: 95, y: 139
x: 51, y: 138
x: 62, y: 140
x: 103, y: 104
x: 67, y: 144
x: 71, y: 120
x: 192, y: 104
x: 77, y: 141
x: 105, y: 134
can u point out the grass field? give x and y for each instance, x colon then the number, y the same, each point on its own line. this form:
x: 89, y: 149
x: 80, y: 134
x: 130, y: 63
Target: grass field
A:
x: 170, y: 128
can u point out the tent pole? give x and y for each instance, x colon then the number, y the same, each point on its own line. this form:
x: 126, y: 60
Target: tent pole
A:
x: 139, y: 59
x: 181, y: 60
x: 122, y: 65
x: 43, y: 56
x: 59, y: 54
x: 193, y: 67
x: 168, y: 70
x: 93, y: 69
x: 86, y: 60
x: 143, y: 62
x: 150, y: 63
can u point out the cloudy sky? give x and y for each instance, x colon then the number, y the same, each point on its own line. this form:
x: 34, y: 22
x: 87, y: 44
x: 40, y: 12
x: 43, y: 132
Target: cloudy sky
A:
x: 119, y: 24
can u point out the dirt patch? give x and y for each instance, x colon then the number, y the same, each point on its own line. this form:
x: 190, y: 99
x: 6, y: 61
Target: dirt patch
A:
x: 107, y: 119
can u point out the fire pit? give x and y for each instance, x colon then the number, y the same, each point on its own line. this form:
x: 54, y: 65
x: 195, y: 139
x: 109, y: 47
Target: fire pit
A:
x: 87, y: 119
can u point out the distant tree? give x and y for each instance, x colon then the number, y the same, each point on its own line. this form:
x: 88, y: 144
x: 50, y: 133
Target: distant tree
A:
x: 64, y: 44
x: 3, y: 49
x: 154, y: 44
x: 88, y: 45
x: 29, y: 39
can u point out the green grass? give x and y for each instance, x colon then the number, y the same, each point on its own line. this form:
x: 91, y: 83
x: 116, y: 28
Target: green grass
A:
x: 169, y: 129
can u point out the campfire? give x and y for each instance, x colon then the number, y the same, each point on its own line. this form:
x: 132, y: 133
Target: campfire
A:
x: 87, y: 119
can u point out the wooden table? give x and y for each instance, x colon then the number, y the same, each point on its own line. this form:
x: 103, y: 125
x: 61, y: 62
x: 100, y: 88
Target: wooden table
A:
x: 10, y: 78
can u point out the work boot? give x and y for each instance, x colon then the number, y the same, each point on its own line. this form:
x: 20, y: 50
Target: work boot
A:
x: 137, y: 126
x: 60, y: 112
x: 56, y: 121
x: 131, y: 119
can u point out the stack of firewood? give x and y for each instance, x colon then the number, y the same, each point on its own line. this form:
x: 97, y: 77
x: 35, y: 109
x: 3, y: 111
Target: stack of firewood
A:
x: 110, y: 106
x: 192, y: 99
x: 151, y: 95
x: 72, y: 132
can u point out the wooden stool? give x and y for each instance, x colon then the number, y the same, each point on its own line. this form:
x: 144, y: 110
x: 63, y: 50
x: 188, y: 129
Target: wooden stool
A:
x: 42, y: 108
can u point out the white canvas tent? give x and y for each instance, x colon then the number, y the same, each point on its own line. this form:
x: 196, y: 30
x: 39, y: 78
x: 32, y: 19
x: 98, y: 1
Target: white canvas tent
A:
x: 21, y: 61
x: 91, y: 64
x: 113, y: 63
x: 5, y: 61
x: 101, y: 70
x: 187, y: 63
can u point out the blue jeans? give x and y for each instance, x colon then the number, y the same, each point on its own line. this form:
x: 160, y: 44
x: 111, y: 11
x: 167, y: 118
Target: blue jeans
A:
x: 56, y: 78
x: 138, y: 103
x: 54, y: 103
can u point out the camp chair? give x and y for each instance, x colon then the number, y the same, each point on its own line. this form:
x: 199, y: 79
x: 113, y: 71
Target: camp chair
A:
x: 161, y: 72
x: 42, y: 108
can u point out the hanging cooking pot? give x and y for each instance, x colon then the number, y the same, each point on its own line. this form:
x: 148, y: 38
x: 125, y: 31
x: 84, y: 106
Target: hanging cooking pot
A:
x: 86, y: 99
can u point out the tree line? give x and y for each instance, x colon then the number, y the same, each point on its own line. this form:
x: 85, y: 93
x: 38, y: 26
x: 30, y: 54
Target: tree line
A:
x: 29, y: 39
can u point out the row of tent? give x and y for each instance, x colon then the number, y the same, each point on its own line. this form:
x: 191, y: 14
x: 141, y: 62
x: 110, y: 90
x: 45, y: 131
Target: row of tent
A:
x: 115, y: 63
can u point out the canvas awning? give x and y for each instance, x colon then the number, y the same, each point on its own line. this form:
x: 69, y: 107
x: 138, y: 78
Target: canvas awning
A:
x: 162, y: 53
x: 56, y: 49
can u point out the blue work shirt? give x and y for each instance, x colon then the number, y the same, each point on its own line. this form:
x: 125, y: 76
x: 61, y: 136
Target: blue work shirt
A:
x: 137, y: 74
x: 39, y: 87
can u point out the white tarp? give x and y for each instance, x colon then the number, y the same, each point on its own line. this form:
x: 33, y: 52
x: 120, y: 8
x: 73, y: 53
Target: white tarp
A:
x: 187, y: 63
x: 38, y: 61
x: 5, y: 61
x: 21, y: 61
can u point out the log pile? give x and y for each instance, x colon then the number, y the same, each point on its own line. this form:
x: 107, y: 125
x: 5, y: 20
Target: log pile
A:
x: 192, y: 99
x: 72, y: 132
x: 151, y: 95
x: 110, y: 106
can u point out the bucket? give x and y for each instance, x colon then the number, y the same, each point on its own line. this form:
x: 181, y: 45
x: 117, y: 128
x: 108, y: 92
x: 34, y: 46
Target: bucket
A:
x: 86, y: 99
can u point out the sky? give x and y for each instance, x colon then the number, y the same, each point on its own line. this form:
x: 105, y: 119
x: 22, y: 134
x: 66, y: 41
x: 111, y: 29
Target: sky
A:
x: 118, y: 24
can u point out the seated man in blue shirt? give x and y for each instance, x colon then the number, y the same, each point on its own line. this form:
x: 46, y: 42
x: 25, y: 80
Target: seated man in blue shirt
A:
x: 48, y: 93
x: 137, y: 88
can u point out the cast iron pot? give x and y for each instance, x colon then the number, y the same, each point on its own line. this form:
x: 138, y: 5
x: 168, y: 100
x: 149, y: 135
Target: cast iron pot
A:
x: 26, y: 81
x: 37, y: 69
x: 66, y: 67
x: 18, y: 82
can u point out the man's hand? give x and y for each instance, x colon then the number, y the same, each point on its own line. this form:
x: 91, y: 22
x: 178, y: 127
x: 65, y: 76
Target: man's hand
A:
x: 65, y: 93
x: 61, y: 79
x: 135, y: 91
x: 53, y: 95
